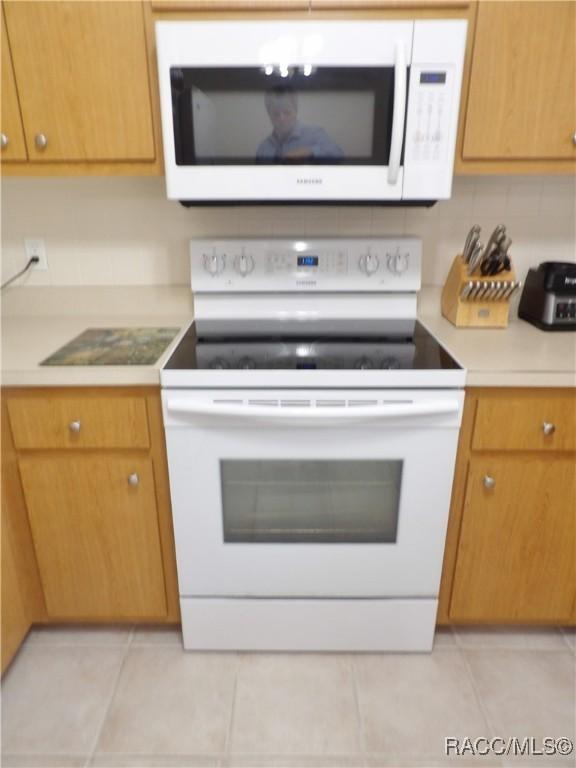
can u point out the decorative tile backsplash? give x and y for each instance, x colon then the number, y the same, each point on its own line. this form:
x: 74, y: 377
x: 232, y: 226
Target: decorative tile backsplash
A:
x: 123, y: 231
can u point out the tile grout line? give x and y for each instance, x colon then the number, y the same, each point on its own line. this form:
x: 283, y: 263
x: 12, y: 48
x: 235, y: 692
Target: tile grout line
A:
x: 453, y: 646
x: 228, y: 738
x: 361, y: 738
x: 108, y: 707
x: 564, y: 634
x: 478, y: 696
x: 131, y: 637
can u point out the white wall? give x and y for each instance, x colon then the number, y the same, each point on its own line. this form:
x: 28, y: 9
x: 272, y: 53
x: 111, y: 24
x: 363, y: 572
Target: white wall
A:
x: 122, y: 231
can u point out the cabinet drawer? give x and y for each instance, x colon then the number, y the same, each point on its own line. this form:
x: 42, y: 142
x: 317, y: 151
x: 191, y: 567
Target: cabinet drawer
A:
x: 79, y: 422
x: 526, y: 423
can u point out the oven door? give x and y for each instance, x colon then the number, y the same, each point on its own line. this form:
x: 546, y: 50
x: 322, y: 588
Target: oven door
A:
x: 262, y: 111
x: 310, y: 494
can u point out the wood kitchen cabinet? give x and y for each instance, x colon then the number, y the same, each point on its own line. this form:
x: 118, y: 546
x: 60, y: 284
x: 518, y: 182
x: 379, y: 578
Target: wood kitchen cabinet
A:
x: 15, y: 618
x: 81, y: 72
x: 92, y: 468
x: 22, y: 599
x: 94, y: 524
x: 511, y: 545
x: 12, y: 144
x: 520, y: 110
x: 516, y: 549
x: 228, y: 5
x: 391, y: 5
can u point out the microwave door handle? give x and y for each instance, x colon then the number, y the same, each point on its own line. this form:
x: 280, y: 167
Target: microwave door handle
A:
x: 398, y: 113
x: 313, y: 415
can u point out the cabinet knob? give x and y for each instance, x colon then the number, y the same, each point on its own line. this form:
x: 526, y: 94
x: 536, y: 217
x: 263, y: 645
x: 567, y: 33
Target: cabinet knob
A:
x: 74, y: 426
x: 548, y: 428
x: 41, y: 140
x: 489, y: 482
x: 574, y: 138
x: 133, y: 479
x: 3, y: 140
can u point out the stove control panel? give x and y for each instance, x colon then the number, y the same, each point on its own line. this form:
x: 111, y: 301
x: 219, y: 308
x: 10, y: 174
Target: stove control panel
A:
x: 391, y: 264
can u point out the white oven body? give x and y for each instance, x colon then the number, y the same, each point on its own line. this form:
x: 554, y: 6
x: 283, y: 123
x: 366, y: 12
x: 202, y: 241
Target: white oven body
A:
x: 417, y: 134
x: 399, y: 446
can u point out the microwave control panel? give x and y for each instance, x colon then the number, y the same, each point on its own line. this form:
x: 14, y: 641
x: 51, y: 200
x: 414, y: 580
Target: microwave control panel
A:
x: 312, y: 264
x: 429, y: 121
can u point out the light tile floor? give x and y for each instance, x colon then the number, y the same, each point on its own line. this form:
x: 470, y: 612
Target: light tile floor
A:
x: 119, y: 697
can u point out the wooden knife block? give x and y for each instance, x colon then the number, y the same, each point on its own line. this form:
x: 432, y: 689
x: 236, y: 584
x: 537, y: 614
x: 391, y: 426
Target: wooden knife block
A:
x: 463, y: 313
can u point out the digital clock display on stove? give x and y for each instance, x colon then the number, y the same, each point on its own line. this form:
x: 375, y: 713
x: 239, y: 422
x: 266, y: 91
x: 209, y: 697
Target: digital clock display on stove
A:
x: 307, y: 261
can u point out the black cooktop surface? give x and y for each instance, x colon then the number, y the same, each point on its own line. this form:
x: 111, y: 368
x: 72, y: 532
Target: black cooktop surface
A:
x: 420, y: 351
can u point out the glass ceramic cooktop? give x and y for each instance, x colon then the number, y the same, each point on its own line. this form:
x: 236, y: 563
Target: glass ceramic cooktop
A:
x: 421, y: 351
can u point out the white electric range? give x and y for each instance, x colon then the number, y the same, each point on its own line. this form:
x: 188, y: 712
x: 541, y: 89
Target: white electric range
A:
x: 311, y: 426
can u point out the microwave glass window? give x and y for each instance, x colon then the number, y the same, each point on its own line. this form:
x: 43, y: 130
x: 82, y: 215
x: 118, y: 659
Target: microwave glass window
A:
x: 283, y: 125
x: 241, y: 116
x: 339, y: 502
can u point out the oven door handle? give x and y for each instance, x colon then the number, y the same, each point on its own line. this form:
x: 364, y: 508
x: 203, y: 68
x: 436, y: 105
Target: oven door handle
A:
x: 313, y: 415
x: 398, y: 113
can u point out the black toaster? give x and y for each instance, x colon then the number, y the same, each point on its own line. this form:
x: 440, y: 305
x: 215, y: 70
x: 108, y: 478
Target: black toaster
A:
x: 549, y: 296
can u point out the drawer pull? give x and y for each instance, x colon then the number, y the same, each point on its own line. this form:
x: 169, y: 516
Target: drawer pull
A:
x: 3, y: 140
x: 489, y: 482
x: 548, y: 428
x: 74, y: 426
x: 41, y: 141
x: 133, y: 479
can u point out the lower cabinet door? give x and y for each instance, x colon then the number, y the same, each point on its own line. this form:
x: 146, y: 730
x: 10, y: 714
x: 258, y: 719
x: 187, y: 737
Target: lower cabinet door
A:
x: 15, y: 621
x: 95, y: 530
x: 516, y: 555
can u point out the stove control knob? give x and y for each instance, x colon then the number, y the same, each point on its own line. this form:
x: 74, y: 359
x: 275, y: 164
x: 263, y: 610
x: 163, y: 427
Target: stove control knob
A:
x: 219, y: 364
x: 368, y: 263
x: 397, y: 262
x: 364, y: 364
x: 246, y: 363
x: 390, y: 364
x: 214, y: 263
x: 243, y: 263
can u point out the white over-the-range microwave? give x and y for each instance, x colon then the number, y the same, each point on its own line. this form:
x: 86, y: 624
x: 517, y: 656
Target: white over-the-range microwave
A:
x: 310, y: 111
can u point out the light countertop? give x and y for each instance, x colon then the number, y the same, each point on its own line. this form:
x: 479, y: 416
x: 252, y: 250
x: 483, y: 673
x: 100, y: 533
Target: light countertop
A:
x: 38, y: 321
x: 520, y: 355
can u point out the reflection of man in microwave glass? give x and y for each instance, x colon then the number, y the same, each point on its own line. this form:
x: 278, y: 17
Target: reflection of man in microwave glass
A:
x: 290, y: 140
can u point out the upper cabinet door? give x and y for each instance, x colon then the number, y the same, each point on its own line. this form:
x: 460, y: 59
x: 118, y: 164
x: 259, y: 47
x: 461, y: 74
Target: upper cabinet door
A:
x: 521, y: 100
x: 82, y: 78
x: 13, y: 145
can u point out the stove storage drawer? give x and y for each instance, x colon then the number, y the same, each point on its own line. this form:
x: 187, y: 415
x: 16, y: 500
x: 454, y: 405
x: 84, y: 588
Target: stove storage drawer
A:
x: 531, y: 422
x: 43, y: 421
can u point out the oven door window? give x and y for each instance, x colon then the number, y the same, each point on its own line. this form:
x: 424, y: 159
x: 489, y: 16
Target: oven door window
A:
x: 305, y: 115
x: 345, y: 502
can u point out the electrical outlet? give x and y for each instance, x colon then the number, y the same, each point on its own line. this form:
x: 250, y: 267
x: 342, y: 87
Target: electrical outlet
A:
x: 36, y: 247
